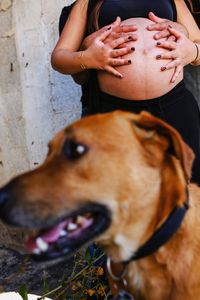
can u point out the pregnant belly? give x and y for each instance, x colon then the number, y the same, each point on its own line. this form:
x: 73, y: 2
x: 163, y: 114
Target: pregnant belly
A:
x: 143, y: 78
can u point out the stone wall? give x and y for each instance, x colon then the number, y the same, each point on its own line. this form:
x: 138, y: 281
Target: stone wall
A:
x: 35, y: 101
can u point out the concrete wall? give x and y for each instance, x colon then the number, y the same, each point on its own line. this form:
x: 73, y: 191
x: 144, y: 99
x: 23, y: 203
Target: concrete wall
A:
x: 35, y: 101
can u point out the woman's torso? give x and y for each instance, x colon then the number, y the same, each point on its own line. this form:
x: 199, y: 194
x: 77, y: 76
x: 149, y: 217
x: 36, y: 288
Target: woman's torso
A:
x: 143, y: 78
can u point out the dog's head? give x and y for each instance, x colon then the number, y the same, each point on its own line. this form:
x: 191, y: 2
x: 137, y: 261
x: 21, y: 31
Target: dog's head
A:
x: 112, y: 177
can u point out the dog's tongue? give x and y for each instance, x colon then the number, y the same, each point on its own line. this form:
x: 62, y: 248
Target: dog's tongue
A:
x: 53, y: 234
x: 49, y: 237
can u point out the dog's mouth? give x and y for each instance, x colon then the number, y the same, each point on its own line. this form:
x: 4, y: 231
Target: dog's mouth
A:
x: 69, y: 234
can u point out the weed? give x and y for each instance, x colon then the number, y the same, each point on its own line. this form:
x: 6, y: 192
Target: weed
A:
x: 86, y: 282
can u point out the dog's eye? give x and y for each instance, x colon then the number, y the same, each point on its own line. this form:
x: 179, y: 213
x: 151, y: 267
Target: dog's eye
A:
x: 74, y: 150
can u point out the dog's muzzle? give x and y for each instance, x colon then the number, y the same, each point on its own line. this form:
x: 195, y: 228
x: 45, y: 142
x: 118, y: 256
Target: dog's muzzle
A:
x: 4, y: 197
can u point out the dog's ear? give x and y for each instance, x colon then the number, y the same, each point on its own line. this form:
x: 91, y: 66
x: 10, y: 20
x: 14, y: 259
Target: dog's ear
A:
x: 151, y: 129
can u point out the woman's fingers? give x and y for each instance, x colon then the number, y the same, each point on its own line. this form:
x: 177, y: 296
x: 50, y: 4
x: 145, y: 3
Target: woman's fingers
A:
x: 162, y: 34
x: 116, y: 25
x: 109, y: 48
x: 175, y: 32
x: 114, y: 72
x: 104, y: 34
x: 154, y: 18
x: 124, y: 39
x: 116, y: 62
x: 176, y: 65
x: 120, y: 52
x: 167, y: 45
x: 126, y: 28
x: 117, y: 22
x: 177, y: 71
x: 161, y: 25
x: 158, y: 26
x: 167, y: 55
x: 171, y: 38
x: 115, y: 36
x: 116, y: 42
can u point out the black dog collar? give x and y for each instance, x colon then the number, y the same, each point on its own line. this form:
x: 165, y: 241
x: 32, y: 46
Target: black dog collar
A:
x: 158, y: 239
x: 163, y: 233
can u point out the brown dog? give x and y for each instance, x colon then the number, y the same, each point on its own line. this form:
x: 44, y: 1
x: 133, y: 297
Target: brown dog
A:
x: 122, y: 180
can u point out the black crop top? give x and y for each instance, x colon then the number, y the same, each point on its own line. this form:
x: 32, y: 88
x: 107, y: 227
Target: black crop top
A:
x: 126, y: 9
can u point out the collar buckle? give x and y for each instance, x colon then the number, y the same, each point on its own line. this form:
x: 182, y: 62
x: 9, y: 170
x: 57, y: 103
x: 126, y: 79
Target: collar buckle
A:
x: 116, y: 277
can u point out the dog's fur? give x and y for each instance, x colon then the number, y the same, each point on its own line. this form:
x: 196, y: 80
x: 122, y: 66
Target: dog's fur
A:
x: 137, y: 167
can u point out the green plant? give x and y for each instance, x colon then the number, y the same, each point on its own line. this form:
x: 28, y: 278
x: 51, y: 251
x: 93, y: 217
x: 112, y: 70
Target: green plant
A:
x: 86, y: 281
x: 23, y: 292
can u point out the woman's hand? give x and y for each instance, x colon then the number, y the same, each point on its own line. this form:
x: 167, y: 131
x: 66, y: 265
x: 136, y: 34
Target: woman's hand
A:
x: 161, y: 25
x: 181, y: 52
x: 118, y: 30
x: 107, y: 51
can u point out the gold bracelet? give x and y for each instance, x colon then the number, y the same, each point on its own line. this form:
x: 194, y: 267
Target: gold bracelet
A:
x: 82, y: 66
x: 196, y: 58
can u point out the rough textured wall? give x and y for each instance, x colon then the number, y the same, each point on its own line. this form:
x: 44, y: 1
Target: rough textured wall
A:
x: 35, y: 101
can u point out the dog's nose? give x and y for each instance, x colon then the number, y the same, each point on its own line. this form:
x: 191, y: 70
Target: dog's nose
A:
x: 6, y: 203
x: 4, y: 197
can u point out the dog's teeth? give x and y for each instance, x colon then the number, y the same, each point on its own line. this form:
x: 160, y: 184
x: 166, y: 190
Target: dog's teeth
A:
x: 88, y: 215
x: 42, y: 245
x: 80, y: 220
x: 36, y: 251
x: 72, y: 226
x: 63, y: 233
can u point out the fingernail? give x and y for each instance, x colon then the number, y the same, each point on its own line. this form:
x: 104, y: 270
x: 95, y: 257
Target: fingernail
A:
x: 170, y: 26
x: 158, y: 56
x: 129, y: 61
x: 133, y: 48
x: 109, y: 28
x: 163, y: 68
x: 158, y: 43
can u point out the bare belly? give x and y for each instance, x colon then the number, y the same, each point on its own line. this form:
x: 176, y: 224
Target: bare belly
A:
x: 143, y: 79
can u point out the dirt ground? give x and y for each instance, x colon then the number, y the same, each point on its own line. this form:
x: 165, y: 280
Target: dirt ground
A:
x: 17, y: 269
